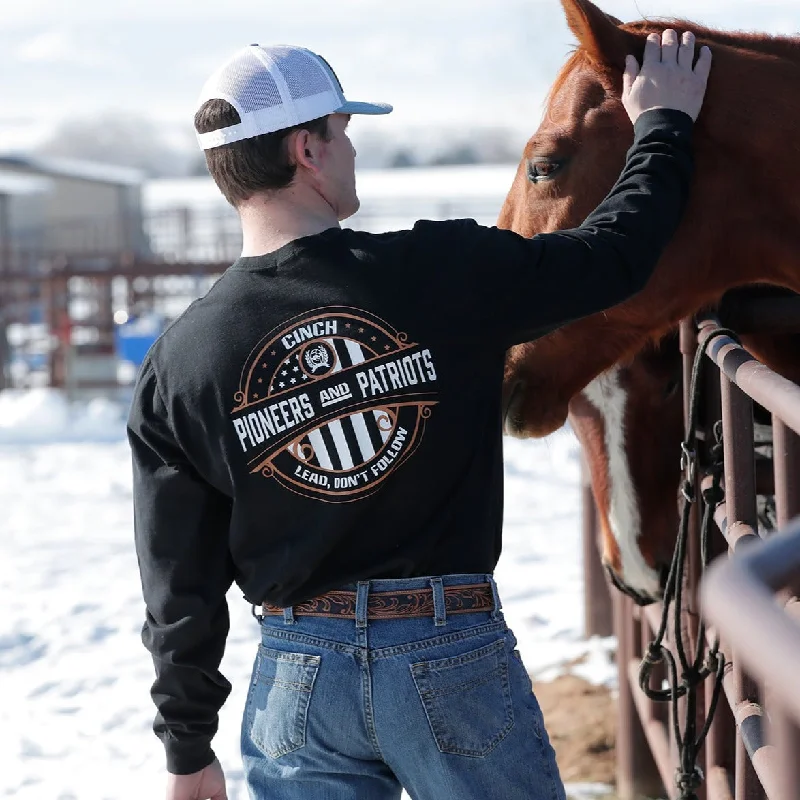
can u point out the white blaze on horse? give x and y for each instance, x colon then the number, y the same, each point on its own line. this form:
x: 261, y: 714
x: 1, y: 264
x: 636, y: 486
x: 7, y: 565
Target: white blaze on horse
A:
x: 614, y: 373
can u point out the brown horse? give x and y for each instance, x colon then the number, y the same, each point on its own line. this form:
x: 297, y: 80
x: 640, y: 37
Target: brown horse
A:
x: 742, y: 226
x: 629, y: 421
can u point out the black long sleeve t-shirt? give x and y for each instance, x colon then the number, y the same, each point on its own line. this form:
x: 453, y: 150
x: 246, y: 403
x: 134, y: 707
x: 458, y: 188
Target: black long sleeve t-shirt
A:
x: 331, y: 412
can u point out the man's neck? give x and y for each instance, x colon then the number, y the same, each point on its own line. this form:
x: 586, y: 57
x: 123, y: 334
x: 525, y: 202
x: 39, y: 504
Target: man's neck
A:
x: 269, y: 223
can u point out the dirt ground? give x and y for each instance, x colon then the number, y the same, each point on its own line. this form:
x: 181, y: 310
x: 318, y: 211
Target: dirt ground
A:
x: 580, y: 720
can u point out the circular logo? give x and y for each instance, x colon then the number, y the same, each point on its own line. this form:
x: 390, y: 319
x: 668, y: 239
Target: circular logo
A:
x: 318, y: 359
x: 333, y: 402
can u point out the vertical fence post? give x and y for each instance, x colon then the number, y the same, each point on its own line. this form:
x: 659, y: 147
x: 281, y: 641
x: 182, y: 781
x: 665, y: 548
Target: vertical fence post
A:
x: 637, y: 773
x: 785, y: 735
x: 740, y: 500
x: 597, y: 612
x: 786, y: 455
x: 184, y: 233
x: 786, y: 462
x: 720, y: 745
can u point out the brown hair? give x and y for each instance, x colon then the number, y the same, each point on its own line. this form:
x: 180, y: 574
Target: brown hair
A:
x: 258, y: 164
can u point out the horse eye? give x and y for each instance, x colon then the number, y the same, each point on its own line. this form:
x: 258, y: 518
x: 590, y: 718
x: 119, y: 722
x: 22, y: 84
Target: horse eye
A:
x: 543, y: 169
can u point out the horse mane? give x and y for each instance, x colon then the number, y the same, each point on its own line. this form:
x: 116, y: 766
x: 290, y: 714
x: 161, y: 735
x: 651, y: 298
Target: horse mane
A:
x: 774, y: 45
x: 781, y: 46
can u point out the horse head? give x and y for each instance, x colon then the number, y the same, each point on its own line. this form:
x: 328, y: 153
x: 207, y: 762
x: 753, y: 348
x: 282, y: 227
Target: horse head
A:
x: 742, y: 226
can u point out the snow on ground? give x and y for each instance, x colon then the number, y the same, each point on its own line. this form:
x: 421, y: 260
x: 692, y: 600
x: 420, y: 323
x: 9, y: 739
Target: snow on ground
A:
x: 75, y: 717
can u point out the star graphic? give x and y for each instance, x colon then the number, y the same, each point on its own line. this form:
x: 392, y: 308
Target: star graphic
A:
x: 272, y: 388
x: 374, y: 338
x: 283, y: 373
x: 361, y: 330
x: 261, y: 380
x: 293, y: 380
x: 273, y: 353
x: 288, y: 361
x: 282, y: 385
x: 305, y: 377
x: 264, y: 366
x: 255, y: 394
x: 387, y: 347
x: 295, y: 369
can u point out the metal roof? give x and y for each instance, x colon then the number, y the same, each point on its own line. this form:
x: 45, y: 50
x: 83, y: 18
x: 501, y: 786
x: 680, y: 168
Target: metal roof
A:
x: 16, y: 185
x: 70, y: 168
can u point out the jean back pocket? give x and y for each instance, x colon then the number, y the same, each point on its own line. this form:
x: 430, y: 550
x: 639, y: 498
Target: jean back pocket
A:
x: 279, y: 699
x: 467, y: 699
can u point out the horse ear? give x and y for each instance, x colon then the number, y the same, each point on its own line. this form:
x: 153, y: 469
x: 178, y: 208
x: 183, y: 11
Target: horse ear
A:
x: 600, y: 34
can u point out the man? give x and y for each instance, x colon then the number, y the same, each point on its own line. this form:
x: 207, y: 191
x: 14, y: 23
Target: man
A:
x: 324, y: 428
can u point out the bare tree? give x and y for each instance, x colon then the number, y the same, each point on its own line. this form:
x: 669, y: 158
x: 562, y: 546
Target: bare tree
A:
x: 124, y: 139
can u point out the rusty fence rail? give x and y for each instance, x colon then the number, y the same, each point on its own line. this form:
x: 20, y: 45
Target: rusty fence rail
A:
x: 739, y: 597
x: 745, y: 757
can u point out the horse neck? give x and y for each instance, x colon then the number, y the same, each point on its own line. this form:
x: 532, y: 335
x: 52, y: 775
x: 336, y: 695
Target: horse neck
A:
x: 743, y: 225
x: 750, y: 111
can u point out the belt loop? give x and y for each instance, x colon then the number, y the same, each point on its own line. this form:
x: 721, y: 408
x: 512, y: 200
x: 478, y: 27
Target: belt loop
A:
x: 258, y: 617
x: 362, y: 596
x: 496, y: 595
x: 288, y: 615
x: 439, y: 608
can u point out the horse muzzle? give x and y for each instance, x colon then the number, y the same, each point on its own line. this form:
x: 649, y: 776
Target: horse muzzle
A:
x: 640, y: 598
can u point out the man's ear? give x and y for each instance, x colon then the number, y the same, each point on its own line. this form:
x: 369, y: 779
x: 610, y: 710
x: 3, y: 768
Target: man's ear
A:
x: 302, y: 150
x: 600, y: 36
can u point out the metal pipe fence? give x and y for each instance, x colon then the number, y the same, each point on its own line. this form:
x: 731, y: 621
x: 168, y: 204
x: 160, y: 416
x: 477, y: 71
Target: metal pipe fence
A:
x: 753, y: 748
x: 71, y: 277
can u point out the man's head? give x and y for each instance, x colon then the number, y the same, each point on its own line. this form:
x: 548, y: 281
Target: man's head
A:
x: 275, y: 117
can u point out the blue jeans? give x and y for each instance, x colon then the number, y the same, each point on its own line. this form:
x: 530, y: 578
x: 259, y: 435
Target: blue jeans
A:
x: 350, y: 709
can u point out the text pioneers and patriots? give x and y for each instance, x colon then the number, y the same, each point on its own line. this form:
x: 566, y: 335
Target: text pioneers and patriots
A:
x: 333, y: 402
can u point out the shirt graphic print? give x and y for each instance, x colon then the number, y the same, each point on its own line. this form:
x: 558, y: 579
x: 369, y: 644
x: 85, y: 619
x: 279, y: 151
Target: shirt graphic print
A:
x: 332, y: 402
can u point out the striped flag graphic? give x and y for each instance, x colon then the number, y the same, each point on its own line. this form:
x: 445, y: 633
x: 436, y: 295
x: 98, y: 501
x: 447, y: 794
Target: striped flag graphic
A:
x: 351, y: 441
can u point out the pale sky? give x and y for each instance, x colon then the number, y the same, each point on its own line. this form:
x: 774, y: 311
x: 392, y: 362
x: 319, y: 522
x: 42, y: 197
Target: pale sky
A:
x: 439, y: 62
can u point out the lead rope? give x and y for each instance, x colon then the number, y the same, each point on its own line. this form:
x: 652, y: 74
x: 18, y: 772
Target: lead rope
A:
x: 693, y: 673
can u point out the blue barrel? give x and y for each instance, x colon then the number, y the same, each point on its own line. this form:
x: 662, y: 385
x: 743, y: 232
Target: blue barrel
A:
x: 136, y: 336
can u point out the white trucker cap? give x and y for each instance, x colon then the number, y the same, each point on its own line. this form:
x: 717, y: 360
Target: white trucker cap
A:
x: 274, y: 88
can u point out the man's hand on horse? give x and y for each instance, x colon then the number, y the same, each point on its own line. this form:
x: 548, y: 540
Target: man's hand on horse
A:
x: 666, y: 78
x: 208, y: 784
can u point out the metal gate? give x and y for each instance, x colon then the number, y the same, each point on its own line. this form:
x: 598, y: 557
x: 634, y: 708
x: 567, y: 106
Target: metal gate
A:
x: 753, y: 748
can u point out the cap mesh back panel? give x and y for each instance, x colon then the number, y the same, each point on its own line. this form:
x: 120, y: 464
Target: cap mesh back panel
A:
x: 302, y: 74
x: 335, y: 76
x: 246, y: 79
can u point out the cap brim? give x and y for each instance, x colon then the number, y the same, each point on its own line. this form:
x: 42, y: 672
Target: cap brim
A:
x: 364, y: 108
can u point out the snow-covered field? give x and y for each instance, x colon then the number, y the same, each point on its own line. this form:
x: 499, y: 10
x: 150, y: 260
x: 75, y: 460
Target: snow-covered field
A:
x: 75, y: 716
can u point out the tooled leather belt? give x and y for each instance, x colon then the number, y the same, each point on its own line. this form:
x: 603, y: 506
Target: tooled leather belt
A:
x: 471, y: 598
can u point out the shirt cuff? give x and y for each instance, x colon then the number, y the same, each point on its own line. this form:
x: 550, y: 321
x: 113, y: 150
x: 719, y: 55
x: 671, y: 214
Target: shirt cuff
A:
x: 184, y: 758
x: 667, y: 120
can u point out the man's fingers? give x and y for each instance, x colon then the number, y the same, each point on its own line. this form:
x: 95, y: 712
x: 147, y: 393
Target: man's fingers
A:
x: 669, y: 47
x: 686, y: 52
x: 652, y: 50
x: 703, y: 67
x: 629, y: 76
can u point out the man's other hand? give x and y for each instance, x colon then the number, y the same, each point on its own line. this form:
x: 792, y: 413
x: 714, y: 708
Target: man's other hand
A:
x: 208, y: 784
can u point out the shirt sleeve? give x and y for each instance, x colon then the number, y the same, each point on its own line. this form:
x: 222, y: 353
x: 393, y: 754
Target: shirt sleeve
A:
x: 181, y: 534
x: 528, y: 287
